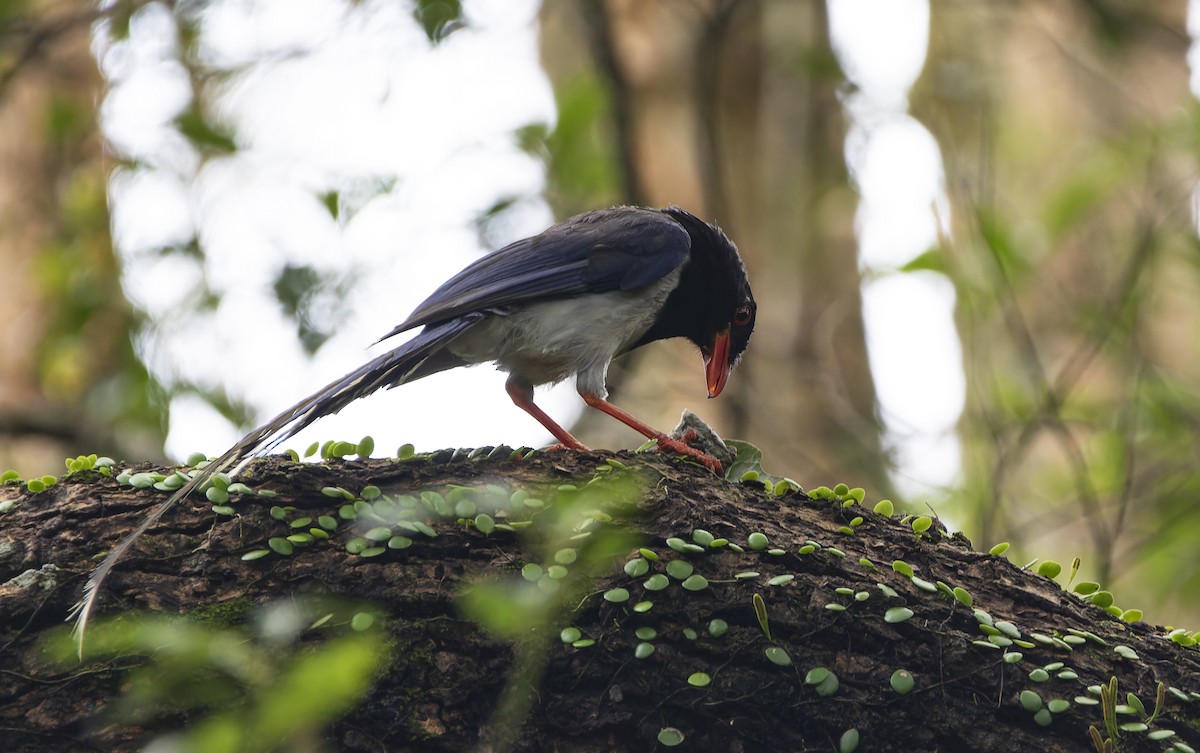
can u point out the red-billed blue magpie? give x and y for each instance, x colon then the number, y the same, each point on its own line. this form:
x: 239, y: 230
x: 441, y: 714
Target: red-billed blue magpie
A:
x: 559, y: 304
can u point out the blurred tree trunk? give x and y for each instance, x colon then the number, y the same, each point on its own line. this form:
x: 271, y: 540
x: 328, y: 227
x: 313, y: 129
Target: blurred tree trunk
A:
x: 64, y: 325
x: 1068, y: 136
x: 730, y: 109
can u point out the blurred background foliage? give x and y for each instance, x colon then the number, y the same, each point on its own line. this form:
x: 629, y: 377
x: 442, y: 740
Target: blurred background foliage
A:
x: 276, y: 681
x: 1067, y: 135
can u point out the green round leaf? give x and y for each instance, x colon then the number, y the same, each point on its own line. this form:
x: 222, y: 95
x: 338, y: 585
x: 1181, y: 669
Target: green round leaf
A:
x: 669, y: 736
x: 828, y: 686
x: 637, y: 567
x: 897, y: 614
x: 923, y: 584
x: 849, y: 741
x: 902, y: 681
x: 566, y: 556
x: 778, y: 656
x: 816, y: 676
x: 1009, y: 629
x: 679, y: 569
x: 695, y: 583
x: 616, y: 595
x: 281, y: 545
x: 141, y: 480
x: 1050, y: 569
x: 656, y: 582
x: 677, y: 544
x: 370, y: 492
x: 380, y: 533
x: 699, y: 680
x: 484, y: 523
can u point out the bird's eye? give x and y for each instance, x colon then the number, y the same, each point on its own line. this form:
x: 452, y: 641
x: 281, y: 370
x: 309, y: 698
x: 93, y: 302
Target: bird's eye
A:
x: 741, y: 317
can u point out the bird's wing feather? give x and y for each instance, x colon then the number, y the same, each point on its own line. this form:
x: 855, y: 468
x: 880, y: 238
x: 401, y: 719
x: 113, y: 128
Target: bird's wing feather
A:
x: 597, y: 252
x: 423, y: 355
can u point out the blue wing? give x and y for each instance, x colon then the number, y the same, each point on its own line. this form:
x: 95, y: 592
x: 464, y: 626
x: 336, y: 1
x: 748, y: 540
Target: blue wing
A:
x: 625, y: 248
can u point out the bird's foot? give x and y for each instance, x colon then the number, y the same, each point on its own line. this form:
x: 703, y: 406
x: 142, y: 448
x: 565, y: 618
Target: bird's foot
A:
x: 681, y: 447
x: 560, y: 446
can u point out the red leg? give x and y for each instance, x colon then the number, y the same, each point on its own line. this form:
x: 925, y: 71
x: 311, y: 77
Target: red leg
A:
x: 664, y: 442
x: 522, y: 396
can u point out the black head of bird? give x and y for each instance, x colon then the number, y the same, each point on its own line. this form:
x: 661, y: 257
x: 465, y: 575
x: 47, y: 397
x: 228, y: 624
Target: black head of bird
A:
x: 712, y: 305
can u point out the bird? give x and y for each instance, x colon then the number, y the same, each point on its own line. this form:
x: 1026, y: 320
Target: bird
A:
x: 558, y: 304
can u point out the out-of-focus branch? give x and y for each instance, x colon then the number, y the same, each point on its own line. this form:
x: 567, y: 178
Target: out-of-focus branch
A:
x: 601, y: 41
x: 25, y: 41
x: 707, y: 91
x: 1056, y: 391
x: 72, y: 429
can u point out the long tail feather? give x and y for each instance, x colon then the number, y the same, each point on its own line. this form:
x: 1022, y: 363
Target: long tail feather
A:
x: 425, y: 354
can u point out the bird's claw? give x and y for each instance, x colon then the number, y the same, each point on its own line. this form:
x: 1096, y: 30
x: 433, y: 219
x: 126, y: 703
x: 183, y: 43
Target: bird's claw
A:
x: 680, y: 447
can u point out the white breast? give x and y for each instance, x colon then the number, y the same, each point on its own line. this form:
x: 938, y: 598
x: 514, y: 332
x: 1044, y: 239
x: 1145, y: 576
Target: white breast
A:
x: 544, y: 343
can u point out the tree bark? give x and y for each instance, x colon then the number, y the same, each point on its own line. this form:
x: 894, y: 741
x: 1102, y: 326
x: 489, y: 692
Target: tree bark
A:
x: 444, y: 679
